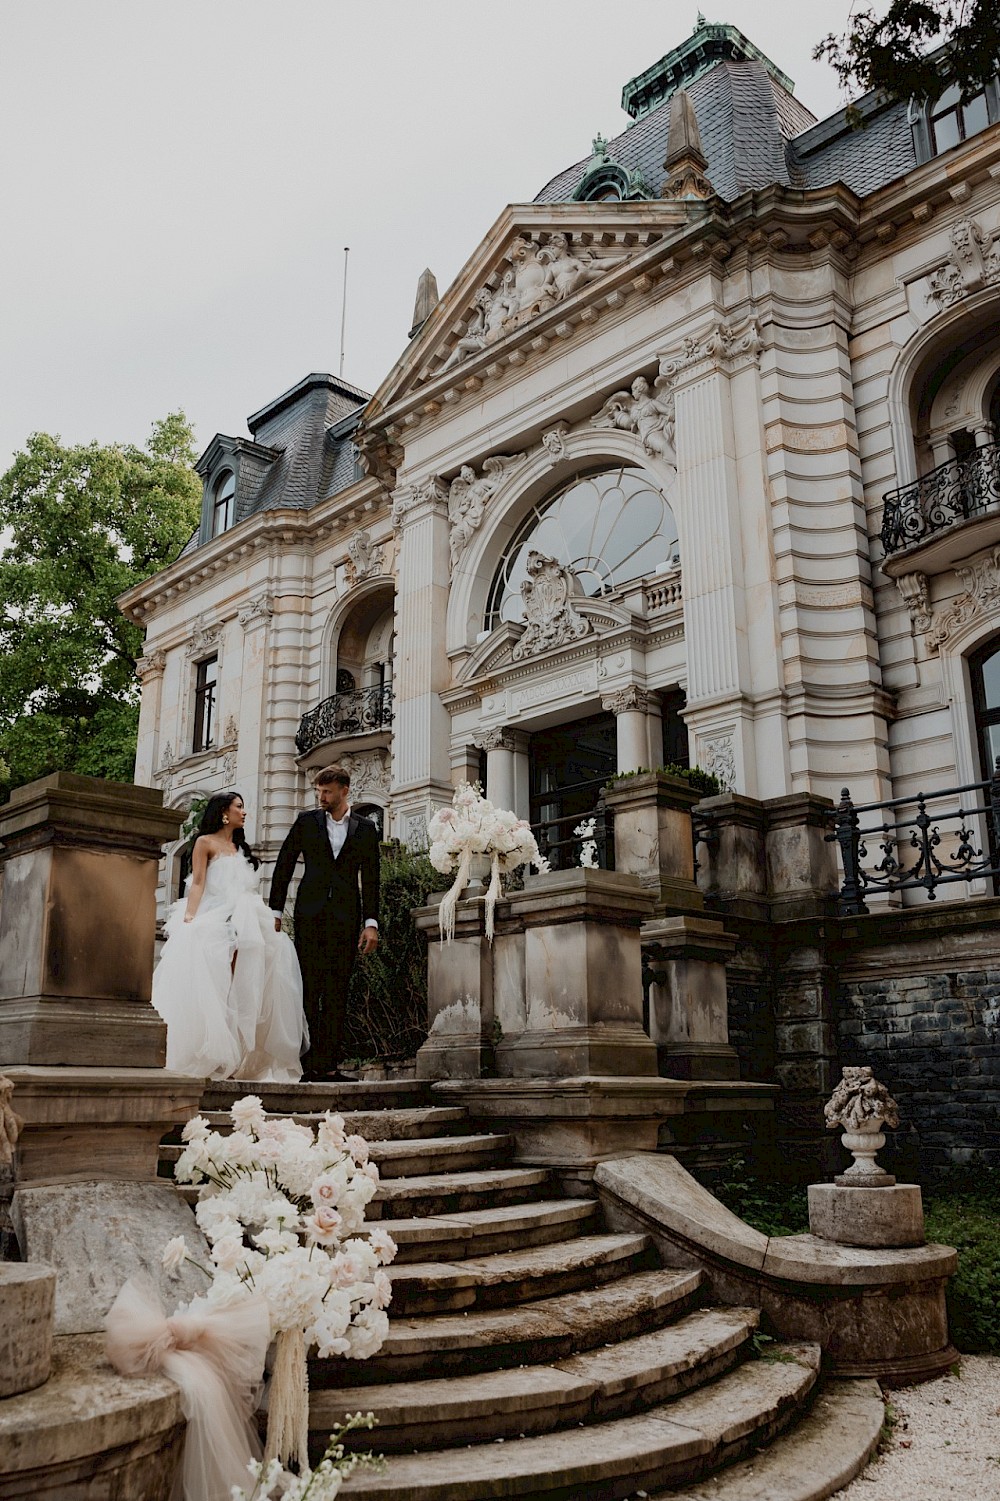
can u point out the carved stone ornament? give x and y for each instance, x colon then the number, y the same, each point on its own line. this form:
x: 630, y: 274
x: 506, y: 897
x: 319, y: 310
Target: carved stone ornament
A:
x: 364, y: 557
x: 408, y: 497
x: 231, y: 732
x: 204, y: 638
x: 415, y: 831
x: 551, y: 619
x: 538, y: 277
x: 151, y: 666
x: 647, y: 411
x: 981, y: 596
x: 717, y: 755
x: 974, y: 262
x: 167, y: 760
x: 256, y: 611
x: 369, y: 772
x: 916, y: 596
x: 493, y: 739
x: 467, y: 497
x: 862, y: 1106
x: 626, y: 700
x: 554, y: 441
x: 229, y: 766
x: 724, y: 346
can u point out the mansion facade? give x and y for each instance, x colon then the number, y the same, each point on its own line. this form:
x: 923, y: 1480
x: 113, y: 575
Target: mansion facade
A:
x: 695, y: 462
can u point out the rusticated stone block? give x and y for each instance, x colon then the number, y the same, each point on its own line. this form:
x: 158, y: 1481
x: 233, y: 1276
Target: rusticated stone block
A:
x: 27, y: 1311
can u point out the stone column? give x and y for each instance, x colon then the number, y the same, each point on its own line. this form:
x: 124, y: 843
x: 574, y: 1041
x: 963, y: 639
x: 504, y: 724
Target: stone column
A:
x: 244, y: 765
x: 421, y: 727
x: 629, y: 706
x: 149, y: 670
x: 460, y: 1028
x: 688, y: 1004
x: 498, y: 743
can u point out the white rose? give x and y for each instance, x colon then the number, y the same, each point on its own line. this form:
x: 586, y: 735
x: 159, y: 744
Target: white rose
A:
x: 248, y: 1114
x: 358, y: 1148
x: 174, y: 1255
x: 383, y: 1290
x: 382, y: 1244
x: 228, y: 1253
x: 324, y: 1226
x: 196, y: 1129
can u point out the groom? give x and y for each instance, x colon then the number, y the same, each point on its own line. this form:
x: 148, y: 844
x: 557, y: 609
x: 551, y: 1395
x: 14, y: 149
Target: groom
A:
x: 341, y: 855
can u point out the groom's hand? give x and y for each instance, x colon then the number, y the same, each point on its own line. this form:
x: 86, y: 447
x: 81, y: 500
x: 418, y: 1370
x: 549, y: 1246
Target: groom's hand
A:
x: 368, y: 940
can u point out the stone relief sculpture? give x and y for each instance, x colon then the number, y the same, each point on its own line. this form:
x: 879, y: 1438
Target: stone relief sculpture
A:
x: 369, y: 772
x: 974, y: 262
x: 554, y: 441
x: 539, y: 277
x: 364, y: 557
x: 981, y: 595
x: 204, y: 638
x: 718, y: 756
x: 407, y: 497
x: 916, y: 596
x: 467, y: 497
x: 151, y: 665
x: 647, y: 411
x: 551, y: 619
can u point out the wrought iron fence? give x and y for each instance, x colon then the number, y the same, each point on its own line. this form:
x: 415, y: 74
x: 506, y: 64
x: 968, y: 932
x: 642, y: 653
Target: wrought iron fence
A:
x: 956, y: 841
x: 345, y: 714
x: 955, y: 491
x: 562, y: 843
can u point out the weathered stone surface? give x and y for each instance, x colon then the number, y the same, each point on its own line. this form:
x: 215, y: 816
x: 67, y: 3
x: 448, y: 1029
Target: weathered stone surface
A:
x: 867, y: 1216
x: 97, y: 1235
x: 89, y: 1433
x: 825, y: 1450
x: 475, y: 1231
x: 27, y: 1308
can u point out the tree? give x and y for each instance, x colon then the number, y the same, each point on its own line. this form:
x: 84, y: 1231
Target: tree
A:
x: 892, y: 53
x: 79, y: 526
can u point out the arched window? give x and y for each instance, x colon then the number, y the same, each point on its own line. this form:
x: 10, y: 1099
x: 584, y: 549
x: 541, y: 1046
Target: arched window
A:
x: 610, y: 528
x: 223, y: 503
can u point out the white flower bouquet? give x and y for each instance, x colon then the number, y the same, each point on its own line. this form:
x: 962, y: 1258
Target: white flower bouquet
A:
x: 473, y: 826
x: 283, y: 1208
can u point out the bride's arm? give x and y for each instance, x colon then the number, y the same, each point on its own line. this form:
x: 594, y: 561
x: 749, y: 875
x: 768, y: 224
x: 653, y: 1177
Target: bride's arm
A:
x: 199, y: 867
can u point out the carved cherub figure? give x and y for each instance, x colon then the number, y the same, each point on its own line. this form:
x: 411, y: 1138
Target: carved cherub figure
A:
x: 646, y: 411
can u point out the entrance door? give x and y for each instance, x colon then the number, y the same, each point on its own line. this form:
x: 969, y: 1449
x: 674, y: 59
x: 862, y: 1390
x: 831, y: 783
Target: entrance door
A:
x: 569, y: 766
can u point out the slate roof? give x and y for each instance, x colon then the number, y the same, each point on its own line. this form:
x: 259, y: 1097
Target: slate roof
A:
x: 755, y: 133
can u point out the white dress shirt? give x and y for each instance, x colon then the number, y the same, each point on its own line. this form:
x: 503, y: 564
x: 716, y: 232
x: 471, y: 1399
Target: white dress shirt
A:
x: 336, y: 832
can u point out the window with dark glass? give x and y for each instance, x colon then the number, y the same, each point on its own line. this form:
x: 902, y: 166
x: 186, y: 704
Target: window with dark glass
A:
x: 952, y: 121
x: 206, y: 686
x: 223, y: 503
x: 984, y: 670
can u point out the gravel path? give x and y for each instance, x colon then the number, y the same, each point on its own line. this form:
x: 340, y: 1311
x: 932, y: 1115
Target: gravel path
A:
x: 945, y: 1441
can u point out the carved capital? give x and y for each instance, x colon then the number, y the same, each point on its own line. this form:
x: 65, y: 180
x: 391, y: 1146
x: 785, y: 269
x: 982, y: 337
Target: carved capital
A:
x: 631, y: 699
x: 256, y: 611
x: 369, y: 771
x: 409, y: 498
x: 725, y: 347
x: 151, y: 666
x: 981, y: 596
x: 497, y: 738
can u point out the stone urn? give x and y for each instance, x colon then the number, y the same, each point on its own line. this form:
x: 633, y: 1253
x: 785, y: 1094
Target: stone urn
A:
x: 862, y: 1106
x: 480, y: 869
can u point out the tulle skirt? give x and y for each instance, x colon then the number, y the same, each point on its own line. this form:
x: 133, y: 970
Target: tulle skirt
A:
x: 230, y: 991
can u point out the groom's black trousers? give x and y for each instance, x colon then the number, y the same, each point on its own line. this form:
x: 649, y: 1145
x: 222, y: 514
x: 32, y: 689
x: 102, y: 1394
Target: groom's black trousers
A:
x: 327, y: 949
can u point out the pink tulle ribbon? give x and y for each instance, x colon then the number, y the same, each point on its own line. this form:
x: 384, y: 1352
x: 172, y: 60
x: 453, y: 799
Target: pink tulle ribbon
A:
x: 215, y: 1354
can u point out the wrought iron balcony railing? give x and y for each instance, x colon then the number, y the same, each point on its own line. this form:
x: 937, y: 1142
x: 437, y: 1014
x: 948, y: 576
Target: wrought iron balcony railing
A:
x: 561, y: 844
x: 345, y: 714
x: 958, y: 841
x: 957, y: 490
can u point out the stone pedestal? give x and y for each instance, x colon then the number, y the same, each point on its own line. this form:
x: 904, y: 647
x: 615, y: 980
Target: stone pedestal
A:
x: 732, y: 867
x: 27, y: 1309
x: 867, y: 1216
x: 685, y: 960
x: 653, y: 840
x: 78, y: 864
x: 582, y: 977
x: 460, y: 1030
x: 801, y: 862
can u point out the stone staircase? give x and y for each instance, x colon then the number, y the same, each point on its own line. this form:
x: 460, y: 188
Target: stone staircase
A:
x: 532, y: 1353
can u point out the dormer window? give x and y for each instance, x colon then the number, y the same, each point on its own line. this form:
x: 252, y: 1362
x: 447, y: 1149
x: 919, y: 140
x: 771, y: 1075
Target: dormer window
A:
x: 223, y: 503
x: 949, y: 120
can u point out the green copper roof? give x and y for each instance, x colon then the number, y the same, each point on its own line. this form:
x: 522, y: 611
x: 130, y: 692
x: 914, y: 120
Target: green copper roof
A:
x: 710, y: 44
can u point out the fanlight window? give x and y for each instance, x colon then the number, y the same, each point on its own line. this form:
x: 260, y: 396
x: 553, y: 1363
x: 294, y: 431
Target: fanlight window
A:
x: 609, y: 528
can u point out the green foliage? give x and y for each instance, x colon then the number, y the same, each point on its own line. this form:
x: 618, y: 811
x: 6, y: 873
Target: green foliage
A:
x: 702, y: 781
x: 967, y: 1216
x: 83, y: 524
x: 890, y: 52
x: 387, y: 1011
x: 771, y: 1207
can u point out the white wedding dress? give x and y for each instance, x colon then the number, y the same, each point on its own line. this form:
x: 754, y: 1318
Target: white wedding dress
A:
x: 226, y: 1020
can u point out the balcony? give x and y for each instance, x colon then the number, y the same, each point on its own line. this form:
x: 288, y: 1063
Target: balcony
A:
x: 946, y: 515
x: 343, y: 716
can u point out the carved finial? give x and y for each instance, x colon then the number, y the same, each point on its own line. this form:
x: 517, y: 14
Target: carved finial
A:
x: 600, y: 146
x: 685, y: 161
x: 860, y: 1105
x: 427, y: 300
x: 700, y: 22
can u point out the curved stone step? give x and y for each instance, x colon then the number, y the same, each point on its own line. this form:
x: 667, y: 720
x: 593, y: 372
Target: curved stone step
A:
x: 430, y: 1156
x: 444, y: 1193
x: 405, y: 1124
x: 526, y: 1334
x: 668, y: 1444
x: 510, y: 1403
x: 517, y: 1276
x: 824, y: 1452
x: 292, y: 1099
x: 479, y: 1232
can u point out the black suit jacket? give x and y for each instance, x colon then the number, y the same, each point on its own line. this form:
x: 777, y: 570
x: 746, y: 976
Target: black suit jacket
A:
x: 327, y: 882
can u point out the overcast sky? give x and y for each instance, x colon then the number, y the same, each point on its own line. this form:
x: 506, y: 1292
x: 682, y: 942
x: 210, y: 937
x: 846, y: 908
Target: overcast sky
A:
x: 181, y: 177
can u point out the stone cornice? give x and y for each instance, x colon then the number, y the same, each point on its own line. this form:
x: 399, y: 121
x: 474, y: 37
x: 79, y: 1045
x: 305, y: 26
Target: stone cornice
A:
x: 260, y: 532
x: 904, y: 208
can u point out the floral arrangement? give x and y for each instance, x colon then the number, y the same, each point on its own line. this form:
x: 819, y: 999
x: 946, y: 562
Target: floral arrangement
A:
x: 588, y: 849
x: 282, y: 1207
x: 271, y: 1481
x: 473, y: 826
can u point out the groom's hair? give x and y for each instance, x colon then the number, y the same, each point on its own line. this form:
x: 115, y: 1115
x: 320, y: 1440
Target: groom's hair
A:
x: 332, y: 774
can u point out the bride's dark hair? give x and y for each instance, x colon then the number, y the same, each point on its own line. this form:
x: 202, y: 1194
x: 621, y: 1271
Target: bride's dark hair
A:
x: 212, y: 821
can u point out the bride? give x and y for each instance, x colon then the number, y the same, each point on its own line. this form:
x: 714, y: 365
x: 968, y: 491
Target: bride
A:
x: 227, y: 985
